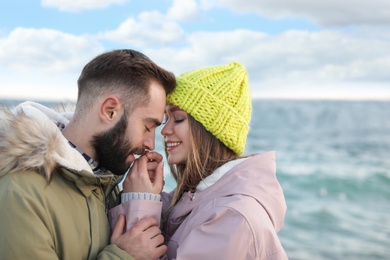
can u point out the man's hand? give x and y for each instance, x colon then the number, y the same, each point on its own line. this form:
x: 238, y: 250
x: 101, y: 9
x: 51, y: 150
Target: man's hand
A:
x: 143, y: 241
x: 146, y: 174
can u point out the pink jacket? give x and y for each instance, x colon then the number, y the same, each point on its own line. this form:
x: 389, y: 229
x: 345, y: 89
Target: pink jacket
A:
x: 237, y: 217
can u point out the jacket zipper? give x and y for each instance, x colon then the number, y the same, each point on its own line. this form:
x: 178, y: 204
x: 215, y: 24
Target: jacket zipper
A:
x: 192, y: 195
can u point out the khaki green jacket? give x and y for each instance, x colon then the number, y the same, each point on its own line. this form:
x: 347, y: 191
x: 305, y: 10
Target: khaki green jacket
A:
x: 52, y: 205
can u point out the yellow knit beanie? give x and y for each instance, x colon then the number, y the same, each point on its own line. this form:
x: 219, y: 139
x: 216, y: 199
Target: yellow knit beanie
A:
x: 219, y: 98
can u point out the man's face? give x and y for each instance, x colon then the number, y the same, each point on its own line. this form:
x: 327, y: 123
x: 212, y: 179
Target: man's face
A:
x: 132, y: 134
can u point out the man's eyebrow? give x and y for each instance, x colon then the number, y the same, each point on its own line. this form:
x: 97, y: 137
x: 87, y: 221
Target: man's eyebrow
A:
x: 154, y: 121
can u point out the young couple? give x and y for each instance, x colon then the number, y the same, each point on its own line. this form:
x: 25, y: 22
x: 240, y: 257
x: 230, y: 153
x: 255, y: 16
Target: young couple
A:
x: 59, y: 171
x: 225, y: 206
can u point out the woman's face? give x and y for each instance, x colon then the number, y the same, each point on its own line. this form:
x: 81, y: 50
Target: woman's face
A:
x: 176, y: 134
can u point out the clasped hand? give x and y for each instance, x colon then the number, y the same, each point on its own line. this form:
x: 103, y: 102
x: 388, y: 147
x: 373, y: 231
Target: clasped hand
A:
x: 146, y: 174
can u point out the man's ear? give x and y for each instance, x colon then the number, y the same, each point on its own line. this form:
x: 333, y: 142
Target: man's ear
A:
x: 110, y: 109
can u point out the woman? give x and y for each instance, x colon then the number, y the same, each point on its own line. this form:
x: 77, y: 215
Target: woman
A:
x: 225, y: 206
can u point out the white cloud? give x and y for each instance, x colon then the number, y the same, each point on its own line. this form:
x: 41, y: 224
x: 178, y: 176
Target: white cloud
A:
x: 46, y: 50
x: 43, y: 63
x: 76, y: 6
x: 313, y: 64
x: 36, y: 86
x: 183, y: 10
x: 334, y: 90
x: 325, y: 13
x: 326, y: 55
x: 151, y: 28
x: 294, y: 63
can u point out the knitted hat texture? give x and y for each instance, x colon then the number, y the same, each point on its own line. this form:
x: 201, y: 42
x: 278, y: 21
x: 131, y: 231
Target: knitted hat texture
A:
x: 219, y: 98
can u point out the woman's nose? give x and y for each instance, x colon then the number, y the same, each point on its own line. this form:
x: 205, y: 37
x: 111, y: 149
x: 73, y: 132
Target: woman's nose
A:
x: 167, y: 129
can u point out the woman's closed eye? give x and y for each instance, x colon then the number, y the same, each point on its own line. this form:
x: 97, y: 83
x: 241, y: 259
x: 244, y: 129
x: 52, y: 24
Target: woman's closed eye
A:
x: 176, y: 115
x: 179, y: 120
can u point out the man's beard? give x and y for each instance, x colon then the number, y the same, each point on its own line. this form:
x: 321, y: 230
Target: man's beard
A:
x: 112, y: 148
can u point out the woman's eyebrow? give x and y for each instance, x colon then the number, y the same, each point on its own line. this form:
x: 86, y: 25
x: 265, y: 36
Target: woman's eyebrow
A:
x: 174, y: 108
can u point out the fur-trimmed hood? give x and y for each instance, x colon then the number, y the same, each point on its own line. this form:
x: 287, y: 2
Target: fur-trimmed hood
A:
x: 31, y: 140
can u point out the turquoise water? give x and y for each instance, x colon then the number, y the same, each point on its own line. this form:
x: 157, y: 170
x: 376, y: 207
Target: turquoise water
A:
x: 333, y: 162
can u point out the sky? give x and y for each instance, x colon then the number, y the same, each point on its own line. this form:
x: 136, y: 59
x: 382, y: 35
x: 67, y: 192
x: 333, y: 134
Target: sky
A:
x: 292, y: 49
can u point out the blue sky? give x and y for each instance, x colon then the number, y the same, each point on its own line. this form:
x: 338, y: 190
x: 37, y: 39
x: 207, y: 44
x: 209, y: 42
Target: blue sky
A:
x: 291, y: 48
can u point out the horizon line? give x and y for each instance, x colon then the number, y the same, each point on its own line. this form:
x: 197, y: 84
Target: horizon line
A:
x: 67, y: 100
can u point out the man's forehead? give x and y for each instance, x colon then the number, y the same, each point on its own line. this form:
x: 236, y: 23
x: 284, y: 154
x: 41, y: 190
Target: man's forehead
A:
x: 152, y: 120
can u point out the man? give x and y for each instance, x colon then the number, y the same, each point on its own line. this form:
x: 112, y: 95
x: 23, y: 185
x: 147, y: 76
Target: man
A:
x: 59, y: 173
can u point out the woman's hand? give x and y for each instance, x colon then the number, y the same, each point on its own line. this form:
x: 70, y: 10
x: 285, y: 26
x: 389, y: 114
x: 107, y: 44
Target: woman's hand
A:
x: 146, y: 174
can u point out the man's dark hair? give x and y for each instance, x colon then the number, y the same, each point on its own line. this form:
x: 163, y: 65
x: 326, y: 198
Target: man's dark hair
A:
x: 126, y: 73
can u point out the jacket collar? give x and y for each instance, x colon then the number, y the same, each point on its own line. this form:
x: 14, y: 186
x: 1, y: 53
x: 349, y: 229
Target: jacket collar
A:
x: 218, y: 173
x: 31, y: 140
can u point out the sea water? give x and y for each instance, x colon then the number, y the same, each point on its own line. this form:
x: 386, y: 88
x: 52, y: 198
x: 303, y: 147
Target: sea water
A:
x: 333, y: 163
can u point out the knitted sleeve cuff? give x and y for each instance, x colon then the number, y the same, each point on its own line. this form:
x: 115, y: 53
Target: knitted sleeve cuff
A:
x: 126, y: 196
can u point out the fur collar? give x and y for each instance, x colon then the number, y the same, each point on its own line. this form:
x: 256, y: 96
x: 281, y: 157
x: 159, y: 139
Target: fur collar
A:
x: 31, y: 140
